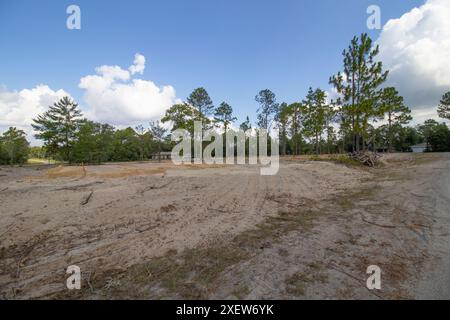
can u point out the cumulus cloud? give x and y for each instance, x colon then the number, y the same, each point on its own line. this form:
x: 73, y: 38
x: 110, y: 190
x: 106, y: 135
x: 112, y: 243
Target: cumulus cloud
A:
x: 18, y: 108
x: 114, y: 96
x: 416, y: 50
x: 138, y: 64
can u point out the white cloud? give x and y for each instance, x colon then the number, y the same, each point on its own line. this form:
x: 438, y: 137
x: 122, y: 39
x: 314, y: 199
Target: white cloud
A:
x: 420, y: 115
x: 138, y: 64
x: 416, y: 50
x: 113, y: 96
x: 18, y: 108
x: 112, y: 73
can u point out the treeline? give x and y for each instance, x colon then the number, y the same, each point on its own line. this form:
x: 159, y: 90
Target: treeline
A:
x: 70, y: 137
x: 317, y: 125
x: 314, y: 124
x: 14, y: 147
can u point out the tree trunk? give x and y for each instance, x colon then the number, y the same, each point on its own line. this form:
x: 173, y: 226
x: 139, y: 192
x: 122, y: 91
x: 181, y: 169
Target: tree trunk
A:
x: 390, y: 133
x: 317, y: 143
x: 357, y: 142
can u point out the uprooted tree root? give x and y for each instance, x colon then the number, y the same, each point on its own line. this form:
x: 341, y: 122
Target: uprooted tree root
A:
x: 366, y: 158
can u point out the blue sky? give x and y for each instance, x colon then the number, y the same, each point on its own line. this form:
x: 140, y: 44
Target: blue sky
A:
x: 232, y: 48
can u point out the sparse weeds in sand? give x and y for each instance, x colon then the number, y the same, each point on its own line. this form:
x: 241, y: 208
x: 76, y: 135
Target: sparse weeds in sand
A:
x: 168, y: 208
x: 347, y: 201
x: 296, y: 284
x: 425, y: 158
x: 194, y: 273
x: 241, y: 291
x: 283, y: 252
x: 273, y: 227
x: 315, y: 158
x: 112, y: 283
x: 338, y: 159
x: 345, y: 160
x: 189, y: 275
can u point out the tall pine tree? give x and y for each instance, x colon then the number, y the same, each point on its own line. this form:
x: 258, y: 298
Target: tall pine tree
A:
x: 316, y: 110
x: 358, y: 85
x: 444, y: 106
x: 224, y: 115
x: 267, y: 109
x: 393, y: 109
x: 58, y: 127
x: 199, y: 99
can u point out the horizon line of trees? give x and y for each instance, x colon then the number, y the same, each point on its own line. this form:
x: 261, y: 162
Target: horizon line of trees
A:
x: 312, y: 125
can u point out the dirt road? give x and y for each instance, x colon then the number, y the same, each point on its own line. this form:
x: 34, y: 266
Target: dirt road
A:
x: 435, y: 283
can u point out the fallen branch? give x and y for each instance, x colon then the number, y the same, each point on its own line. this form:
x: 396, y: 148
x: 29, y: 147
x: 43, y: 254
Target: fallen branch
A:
x: 367, y: 158
x: 87, y: 199
x: 81, y: 186
x: 12, y: 225
x: 378, y: 225
x: 149, y: 188
x: 223, y: 211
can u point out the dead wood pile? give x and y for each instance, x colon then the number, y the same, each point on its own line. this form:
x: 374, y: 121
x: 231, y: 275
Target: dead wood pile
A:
x: 367, y: 158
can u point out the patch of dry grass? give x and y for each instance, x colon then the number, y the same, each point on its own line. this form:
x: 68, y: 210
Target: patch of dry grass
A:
x: 241, y: 291
x: 193, y: 273
x: 80, y: 172
x: 296, y: 283
x: 425, y: 158
x: 347, y: 201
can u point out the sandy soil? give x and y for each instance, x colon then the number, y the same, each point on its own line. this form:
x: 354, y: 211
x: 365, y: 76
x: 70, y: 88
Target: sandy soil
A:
x: 308, y: 232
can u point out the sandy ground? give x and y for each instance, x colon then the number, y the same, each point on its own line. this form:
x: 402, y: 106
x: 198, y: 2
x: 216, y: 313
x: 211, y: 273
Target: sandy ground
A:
x: 148, y: 230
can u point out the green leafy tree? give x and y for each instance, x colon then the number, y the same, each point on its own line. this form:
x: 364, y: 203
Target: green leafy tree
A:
x: 393, y: 109
x: 3, y: 156
x: 439, y: 139
x: 224, y: 115
x: 437, y: 135
x: 444, y: 106
x: 58, y: 128
x: 358, y: 86
x: 125, y: 146
x: 37, y: 152
x: 94, y: 143
x: 315, y: 115
x: 267, y: 109
x: 405, y: 138
x: 14, y: 147
x: 181, y: 116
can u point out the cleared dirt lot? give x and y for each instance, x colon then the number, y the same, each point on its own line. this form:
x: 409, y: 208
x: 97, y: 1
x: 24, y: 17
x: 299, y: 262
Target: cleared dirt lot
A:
x: 146, y: 230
